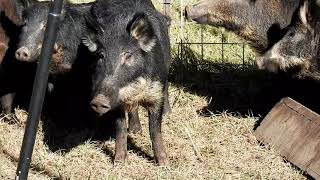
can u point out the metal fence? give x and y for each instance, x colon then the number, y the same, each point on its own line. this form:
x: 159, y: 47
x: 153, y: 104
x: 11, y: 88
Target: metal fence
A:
x: 243, y: 55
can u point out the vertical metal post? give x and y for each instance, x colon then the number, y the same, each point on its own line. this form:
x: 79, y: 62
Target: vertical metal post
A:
x: 39, y: 90
x: 181, y: 27
x: 166, y: 7
x: 222, y: 47
x: 243, y: 54
x: 202, y: 50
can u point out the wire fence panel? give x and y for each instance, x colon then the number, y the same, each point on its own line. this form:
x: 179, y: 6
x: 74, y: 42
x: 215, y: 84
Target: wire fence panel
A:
x: 205, y: 42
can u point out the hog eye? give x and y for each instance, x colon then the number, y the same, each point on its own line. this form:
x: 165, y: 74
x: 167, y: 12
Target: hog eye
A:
x: 127, y: 58
x: 101, y: 54
x: 43, y: 25
x: 291, y: 34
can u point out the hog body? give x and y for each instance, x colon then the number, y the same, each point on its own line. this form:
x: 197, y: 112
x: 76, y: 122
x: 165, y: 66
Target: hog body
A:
x: 130, y: 39
x: 15, y: 77
x: 262, y: 23
x: 299, y: 49
x: 70, y: 31
x: 68, y: 81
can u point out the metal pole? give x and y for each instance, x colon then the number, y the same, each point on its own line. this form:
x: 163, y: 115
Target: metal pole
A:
x: 39, y: 90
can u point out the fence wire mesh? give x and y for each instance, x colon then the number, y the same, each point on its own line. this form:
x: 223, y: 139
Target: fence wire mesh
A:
x: 205, y: 43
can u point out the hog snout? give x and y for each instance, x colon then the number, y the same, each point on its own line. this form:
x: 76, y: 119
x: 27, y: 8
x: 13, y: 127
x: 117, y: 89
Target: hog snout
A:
x: 200, y: 15
x: 23, y: 54
x: 186, y: 12
x: 100, y: 104
x: 268, y: 64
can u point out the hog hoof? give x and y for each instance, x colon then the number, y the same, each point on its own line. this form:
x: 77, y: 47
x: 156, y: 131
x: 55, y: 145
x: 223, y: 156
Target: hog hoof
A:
x: 167, y: 110
x: 6, y: 110
x: 163, y: 162
x: 119, y: 159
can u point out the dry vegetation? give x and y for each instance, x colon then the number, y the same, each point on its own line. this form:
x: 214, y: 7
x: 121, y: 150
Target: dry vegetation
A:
x: 200, y: 145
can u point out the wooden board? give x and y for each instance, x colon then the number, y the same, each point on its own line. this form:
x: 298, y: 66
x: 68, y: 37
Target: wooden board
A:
x: 294, y: 131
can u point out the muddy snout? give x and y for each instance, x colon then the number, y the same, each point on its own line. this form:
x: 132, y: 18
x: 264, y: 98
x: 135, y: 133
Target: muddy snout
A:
x: 100, y: 104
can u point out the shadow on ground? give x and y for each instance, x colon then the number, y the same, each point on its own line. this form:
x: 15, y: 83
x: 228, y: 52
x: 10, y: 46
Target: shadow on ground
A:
x: 240, y: 88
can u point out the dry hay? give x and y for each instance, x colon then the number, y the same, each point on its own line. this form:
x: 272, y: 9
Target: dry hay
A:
x: 199, y: 147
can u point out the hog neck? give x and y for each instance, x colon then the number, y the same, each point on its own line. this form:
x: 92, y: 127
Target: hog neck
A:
x: 141, y: 92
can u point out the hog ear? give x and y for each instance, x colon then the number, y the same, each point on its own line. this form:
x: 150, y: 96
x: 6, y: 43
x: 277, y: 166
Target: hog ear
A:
x: 19, y: 6
x: 141, y: 29
x: 90, y: 44
x: 305, y: 14
x: 93, y: 28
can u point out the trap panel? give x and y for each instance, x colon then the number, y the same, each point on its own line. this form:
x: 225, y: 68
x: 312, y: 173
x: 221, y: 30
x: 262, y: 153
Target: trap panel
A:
x: 294, y: 131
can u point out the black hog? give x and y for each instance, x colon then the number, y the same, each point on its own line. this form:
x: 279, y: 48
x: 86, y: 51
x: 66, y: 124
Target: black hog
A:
x: 262, y: 23
x: 70, y: 31
x: 131, y: 41
x: 69, y: 68
x: 299, y: 49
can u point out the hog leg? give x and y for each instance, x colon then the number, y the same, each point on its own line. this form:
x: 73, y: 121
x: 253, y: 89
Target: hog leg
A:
x: 166, y: 108
x: 3, y: 43
x: 155, y: 118
x: 6, y: 103
x: 121, y: 138
x: 3, y: 49
x: 134, y: 122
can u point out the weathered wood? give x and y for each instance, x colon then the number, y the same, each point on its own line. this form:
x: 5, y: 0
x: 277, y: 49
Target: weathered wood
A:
x: 294, y: 131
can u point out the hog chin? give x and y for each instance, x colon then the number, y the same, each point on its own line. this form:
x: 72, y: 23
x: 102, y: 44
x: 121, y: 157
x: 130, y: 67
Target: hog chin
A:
x: 281, y: 63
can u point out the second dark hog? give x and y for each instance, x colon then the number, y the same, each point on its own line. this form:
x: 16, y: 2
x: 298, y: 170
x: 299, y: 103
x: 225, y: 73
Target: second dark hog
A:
x: 70, y: 70
x: 70, y: 32
x: 299, y: 49
x: 261, y: 23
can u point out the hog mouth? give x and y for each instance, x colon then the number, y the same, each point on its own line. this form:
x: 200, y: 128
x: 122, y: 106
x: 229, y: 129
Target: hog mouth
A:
x: 282, y: 63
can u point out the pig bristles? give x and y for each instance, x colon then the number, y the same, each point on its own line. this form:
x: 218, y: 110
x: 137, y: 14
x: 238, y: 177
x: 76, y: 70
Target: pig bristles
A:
x: 142, y: 90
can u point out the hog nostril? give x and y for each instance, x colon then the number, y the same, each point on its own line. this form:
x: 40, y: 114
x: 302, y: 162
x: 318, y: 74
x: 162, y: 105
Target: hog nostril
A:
x: 25, y: 55
x: 93, y: 105
x: 18, y: 55
x: 105, y: 106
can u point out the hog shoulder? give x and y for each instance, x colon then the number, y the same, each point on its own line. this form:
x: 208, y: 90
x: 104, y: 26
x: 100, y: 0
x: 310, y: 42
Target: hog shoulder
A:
x: 261, y: 22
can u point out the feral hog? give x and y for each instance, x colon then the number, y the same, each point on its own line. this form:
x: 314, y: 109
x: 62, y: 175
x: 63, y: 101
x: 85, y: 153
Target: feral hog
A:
x: 262, y: 23
x: 299, y: 49
x: 130, y: 39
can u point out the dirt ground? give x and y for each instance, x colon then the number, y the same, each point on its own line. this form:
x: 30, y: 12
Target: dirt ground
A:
x: 199, y: 147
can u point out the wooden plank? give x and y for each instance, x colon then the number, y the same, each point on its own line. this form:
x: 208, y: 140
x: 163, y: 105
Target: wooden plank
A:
x: 294, y: 131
